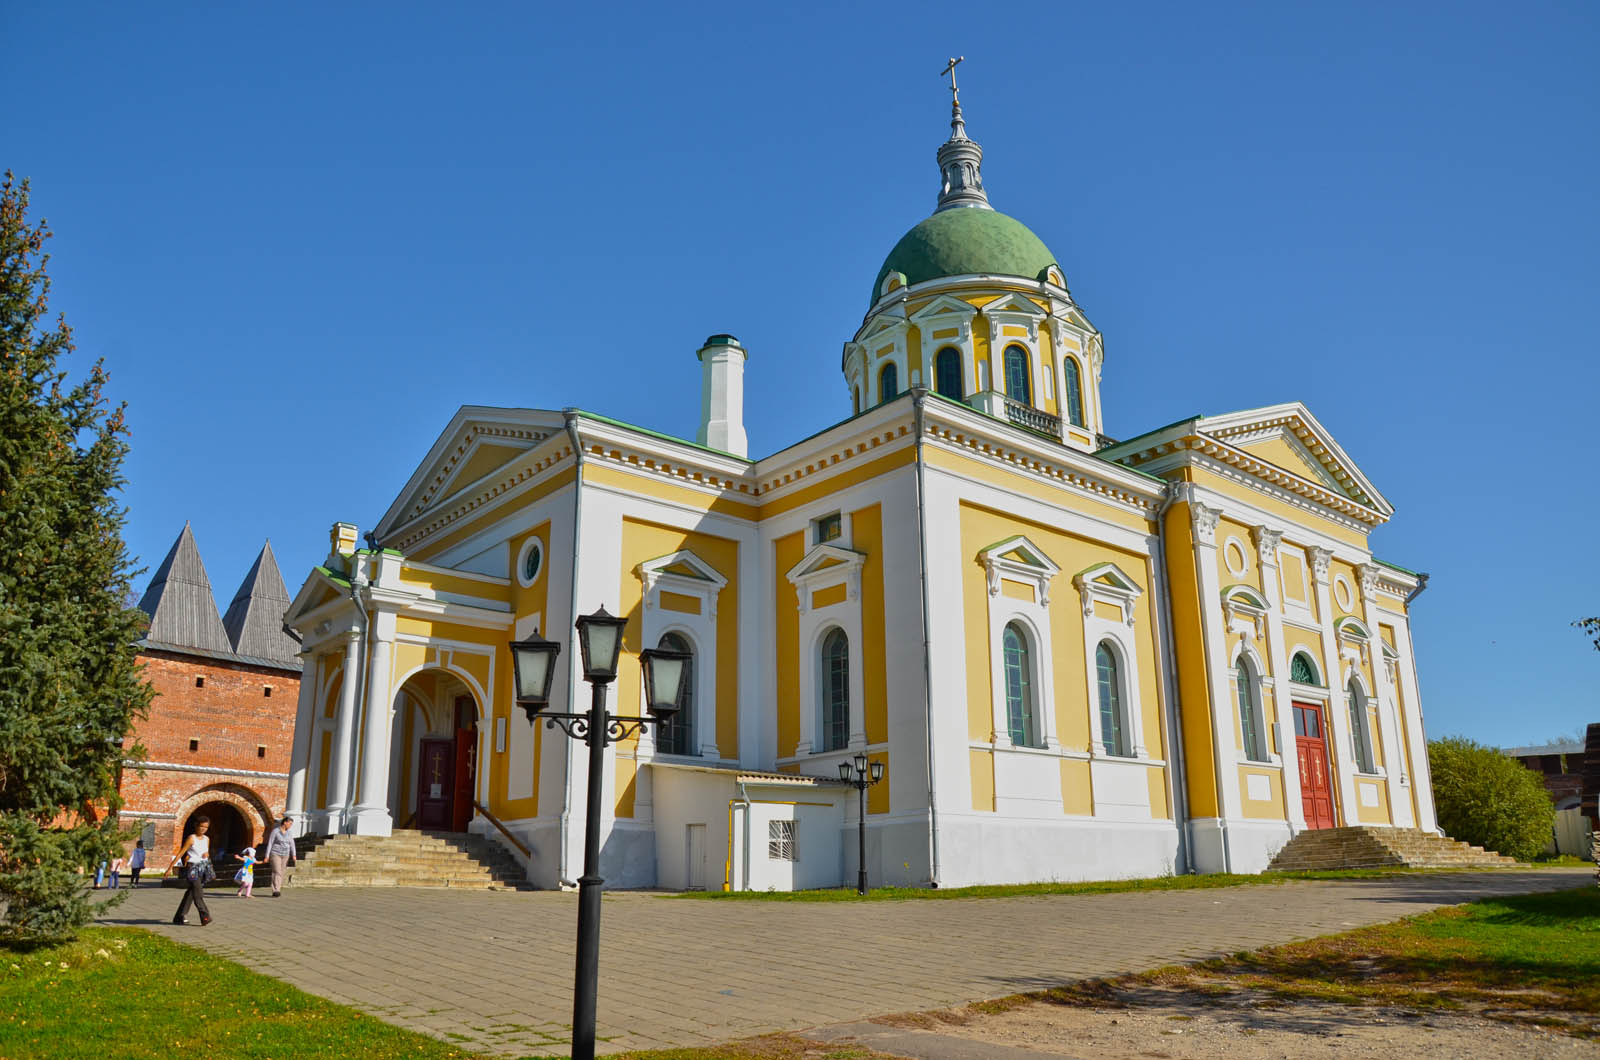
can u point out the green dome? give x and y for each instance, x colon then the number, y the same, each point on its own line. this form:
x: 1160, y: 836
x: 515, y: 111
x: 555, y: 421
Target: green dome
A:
x: 966, y: 240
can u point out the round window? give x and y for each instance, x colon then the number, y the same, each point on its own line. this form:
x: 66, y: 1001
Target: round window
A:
x: 531, y: 562
x: 1342, y: 593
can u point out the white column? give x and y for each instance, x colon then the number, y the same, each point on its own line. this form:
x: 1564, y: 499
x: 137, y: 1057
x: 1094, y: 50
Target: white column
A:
x: 300, y: 754
x: 1278, y: 656
x: 344, y: 725
x: 1338, y: 707
x: 371, y: 815
x: 1395, y: 766
x: 722, y: 395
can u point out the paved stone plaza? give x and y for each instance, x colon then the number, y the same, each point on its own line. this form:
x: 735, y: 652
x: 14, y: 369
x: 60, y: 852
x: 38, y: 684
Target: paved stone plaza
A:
x: 493, y: 970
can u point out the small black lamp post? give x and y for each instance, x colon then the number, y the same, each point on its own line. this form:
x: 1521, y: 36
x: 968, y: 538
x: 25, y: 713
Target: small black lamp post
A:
x: 665, y: 674
x: 861, y: 775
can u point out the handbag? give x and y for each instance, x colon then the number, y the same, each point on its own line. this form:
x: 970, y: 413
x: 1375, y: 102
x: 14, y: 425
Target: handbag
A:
x: 200, y: 870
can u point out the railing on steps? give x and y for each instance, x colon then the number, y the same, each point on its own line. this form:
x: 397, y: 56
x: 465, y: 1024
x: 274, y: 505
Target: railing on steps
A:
x: 502, y: 829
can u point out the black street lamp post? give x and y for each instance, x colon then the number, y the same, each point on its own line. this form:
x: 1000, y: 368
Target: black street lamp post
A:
x: 861, y: 775
x: 665, y: 674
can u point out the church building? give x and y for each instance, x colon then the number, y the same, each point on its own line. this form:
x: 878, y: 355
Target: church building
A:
x: 1074, y: 658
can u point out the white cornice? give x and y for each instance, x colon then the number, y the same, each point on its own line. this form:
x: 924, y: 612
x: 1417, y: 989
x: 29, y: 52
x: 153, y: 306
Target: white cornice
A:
x: 184, y: 767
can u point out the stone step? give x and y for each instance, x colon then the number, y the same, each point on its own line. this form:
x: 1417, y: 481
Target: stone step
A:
x: 1369, y: 847
x: 409, y: 858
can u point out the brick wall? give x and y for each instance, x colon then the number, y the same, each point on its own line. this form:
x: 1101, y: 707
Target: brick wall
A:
x: 231, y: 739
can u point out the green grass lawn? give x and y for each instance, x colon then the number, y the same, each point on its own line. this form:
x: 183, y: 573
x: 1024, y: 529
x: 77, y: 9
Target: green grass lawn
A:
x: 1154, y: 883
x: 122, y: 992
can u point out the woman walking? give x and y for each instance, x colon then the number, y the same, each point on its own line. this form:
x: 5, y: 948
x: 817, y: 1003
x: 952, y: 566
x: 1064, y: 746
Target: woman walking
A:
x: 196, y: 857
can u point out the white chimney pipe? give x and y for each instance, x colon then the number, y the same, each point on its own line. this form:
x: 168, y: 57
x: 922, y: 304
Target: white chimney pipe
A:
x: 722, y: 395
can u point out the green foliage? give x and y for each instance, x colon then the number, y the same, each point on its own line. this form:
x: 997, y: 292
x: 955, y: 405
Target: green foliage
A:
x: 1590, y: 626
x: 69, y: 682
x: 1483, y: 797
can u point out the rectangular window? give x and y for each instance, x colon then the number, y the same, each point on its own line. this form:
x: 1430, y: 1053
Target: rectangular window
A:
x: 780, y: 841
x: 261, y: 750
x: 827, y: 528
x: 194, y: 745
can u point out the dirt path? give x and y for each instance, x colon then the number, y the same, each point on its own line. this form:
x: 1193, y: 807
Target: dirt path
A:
x: 1181, y: 1025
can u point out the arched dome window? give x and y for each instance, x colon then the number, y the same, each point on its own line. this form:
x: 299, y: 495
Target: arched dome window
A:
x: 1113, y: 734
x: 1019, y: 687
x: 834, y: 664
x: 888, y: 382
x: 947, y: 374
x: 1018, y: 385
x: 676, y: 736
x: 1073, y: 385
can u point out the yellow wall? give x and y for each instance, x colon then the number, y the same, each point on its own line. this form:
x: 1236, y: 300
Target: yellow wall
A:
x: 1272, y: 810
x: 1244, y: 554
x: 867, y: 538
x: 982, y: 527
x: 1378, y: 814
x: 1077, y: 794
x: 1189, y: 643
x: 642, y: 541
x: 982, y: 764
x: 787, y: 551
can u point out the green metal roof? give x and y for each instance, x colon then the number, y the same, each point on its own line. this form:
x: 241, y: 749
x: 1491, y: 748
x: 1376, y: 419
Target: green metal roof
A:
x: 965, y: 240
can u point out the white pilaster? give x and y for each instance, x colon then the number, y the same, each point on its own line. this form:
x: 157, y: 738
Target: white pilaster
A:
x: 1394, y: 753
x: 1338, y: 720
x: 371, y: 816
x: 1267, y: 540
x: 1226, y: 757
x: 1406, y: 673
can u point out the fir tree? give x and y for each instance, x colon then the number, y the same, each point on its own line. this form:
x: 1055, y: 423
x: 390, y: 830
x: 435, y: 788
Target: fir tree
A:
x: 70, y: 686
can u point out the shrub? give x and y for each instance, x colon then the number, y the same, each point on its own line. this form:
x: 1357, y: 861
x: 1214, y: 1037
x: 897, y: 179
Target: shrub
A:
x: 1484, y: 798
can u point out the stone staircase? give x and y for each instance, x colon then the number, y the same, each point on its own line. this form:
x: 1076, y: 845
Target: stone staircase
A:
x: 1370, y: 848
x: 408, y: 858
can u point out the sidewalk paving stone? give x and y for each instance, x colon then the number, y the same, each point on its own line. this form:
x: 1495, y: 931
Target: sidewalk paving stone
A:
x: 493, y: 970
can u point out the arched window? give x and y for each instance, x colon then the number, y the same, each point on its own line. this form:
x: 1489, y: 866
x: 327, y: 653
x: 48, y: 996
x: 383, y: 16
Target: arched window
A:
x: 947, y: 374
x: 888, y: 382
x: 1019, y: 687
x: 1303, y: 670
x: 1249, y: 722
x: 1019, y: 386
x: 835, y: 690
x: 676, y: 737
x: 1360, y: 738
x: 1074, y: 388
x: 1113, y: 734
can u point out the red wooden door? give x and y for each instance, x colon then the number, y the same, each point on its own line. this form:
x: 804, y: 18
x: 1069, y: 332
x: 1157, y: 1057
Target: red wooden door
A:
x: 1311, y: 748
x: 466, y: 749
x: 461, y: 795
x: 435, y: 783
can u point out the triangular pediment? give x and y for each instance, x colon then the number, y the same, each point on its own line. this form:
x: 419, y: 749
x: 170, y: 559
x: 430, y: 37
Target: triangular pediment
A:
x: 1014, y: 304
x: 945, y: 306
x: 476, y: 443
x: 1291, y: 439
x: 681, y: 564
x: 823, y: 559
x: 1019, y: 550
x: 320, y: 590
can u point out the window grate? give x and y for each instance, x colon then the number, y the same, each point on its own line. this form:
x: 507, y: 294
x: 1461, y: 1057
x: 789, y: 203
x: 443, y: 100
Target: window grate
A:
x: 781, y: 841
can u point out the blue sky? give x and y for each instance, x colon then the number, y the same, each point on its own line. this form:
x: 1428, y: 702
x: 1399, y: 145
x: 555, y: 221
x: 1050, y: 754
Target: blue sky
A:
x: 301, y: 236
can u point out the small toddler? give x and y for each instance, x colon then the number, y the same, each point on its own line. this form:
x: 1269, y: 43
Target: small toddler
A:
x: 246, y: 876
